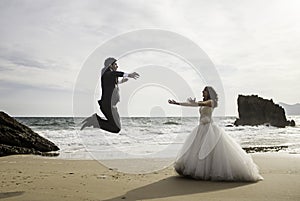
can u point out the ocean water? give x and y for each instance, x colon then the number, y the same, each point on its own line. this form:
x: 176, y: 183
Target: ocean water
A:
x: 145, y: 137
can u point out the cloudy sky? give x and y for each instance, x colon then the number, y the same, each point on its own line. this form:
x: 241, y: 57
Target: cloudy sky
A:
x: 254, y: 45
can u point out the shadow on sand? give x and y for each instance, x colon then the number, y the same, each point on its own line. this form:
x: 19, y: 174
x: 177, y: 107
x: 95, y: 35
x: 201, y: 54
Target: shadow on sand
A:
x: 10, y: 194
x: 175, y: 186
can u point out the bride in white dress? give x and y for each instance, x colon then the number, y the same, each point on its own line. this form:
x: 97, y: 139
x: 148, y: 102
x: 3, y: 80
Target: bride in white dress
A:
x: 208, y: 152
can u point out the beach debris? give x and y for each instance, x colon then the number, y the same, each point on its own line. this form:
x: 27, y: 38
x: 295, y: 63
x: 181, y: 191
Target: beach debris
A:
x: 102, y: 177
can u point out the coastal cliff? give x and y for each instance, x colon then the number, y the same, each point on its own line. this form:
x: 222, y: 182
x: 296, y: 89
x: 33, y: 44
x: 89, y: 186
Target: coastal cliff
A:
x: 254, y: 110
x: 16, y: 138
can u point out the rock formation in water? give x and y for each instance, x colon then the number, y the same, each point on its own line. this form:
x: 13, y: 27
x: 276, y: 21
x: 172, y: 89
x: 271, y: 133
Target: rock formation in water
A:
x: 16, y: 138
x: 254, y: 110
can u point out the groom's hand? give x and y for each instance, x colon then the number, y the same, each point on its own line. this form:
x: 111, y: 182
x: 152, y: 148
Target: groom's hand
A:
x: 134, y: 75
x: 123, y: 80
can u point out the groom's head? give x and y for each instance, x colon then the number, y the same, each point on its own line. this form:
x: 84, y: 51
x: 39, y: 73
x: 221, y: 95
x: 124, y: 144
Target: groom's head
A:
x: 111, y: 63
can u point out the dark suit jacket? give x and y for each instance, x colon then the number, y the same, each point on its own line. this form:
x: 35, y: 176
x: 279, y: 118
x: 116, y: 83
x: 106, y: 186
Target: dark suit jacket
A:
x: 110, y: 91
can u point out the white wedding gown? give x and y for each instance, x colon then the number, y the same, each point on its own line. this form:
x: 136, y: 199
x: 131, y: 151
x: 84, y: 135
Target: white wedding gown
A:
x: 210, y: 154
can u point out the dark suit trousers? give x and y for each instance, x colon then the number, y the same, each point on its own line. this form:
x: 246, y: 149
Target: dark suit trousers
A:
x: 112, y: 124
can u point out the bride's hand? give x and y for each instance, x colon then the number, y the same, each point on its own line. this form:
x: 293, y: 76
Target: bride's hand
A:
x: 173, y: 102
x: 191, y: 100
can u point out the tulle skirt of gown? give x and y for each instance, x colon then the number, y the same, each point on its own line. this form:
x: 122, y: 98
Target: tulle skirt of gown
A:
x: 210, y: 154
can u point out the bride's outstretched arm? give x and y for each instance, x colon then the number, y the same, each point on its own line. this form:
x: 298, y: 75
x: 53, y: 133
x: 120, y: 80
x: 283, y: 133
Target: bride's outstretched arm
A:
x: 192, y: 103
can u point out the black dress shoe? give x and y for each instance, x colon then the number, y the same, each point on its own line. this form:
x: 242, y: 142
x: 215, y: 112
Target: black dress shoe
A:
x: 90, y: 121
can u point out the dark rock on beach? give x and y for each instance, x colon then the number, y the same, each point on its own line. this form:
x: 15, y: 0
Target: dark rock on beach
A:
x: 16, y: 138
x: 254, y: 110
x: 264, y: 149
x: 292, y: 123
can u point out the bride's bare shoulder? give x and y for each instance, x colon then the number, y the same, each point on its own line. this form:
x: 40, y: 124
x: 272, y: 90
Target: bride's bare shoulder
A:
x: 208, y: 103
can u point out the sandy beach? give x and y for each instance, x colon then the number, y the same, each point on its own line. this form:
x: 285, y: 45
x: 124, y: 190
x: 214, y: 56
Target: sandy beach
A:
x: 30, y: 178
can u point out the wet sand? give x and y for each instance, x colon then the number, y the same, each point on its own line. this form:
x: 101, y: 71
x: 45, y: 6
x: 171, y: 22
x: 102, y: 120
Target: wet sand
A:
x: 38, y: 178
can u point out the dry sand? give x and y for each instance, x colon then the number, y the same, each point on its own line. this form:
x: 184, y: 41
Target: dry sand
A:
x: 30, y: 178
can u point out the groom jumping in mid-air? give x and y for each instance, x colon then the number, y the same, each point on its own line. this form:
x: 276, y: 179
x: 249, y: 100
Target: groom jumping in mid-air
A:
x: 110, y: 97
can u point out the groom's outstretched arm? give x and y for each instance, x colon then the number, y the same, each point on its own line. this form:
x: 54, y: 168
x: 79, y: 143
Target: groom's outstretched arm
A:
x: 125, y: 76
x: 125, y: 79
x: 133, y: 75
x: 117, y: 73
